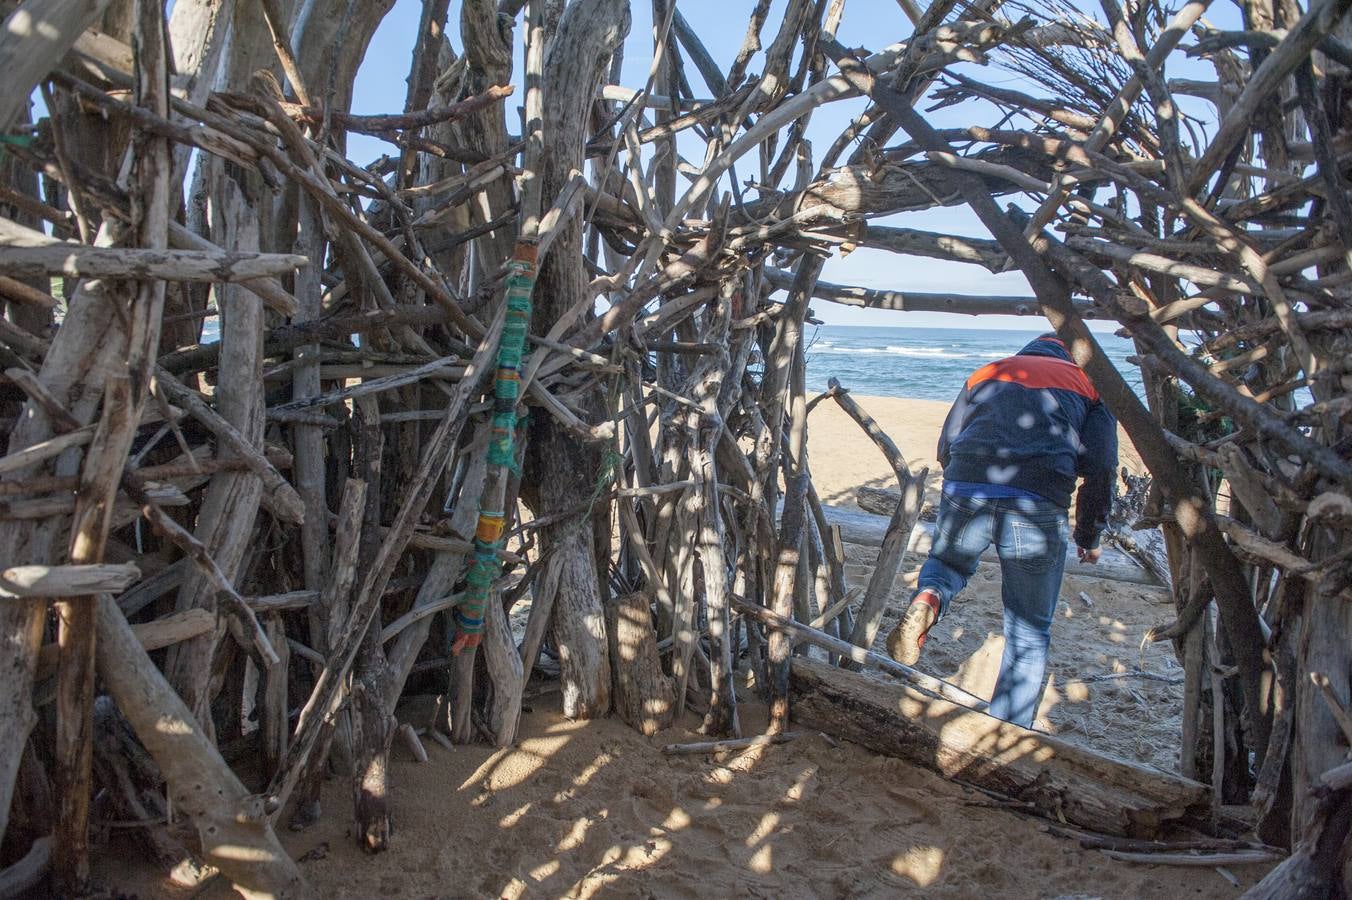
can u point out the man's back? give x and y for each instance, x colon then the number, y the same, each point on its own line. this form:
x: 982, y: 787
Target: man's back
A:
x: 1034, y: 423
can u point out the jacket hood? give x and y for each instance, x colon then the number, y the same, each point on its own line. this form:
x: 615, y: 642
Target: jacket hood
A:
x: 1046, y: 346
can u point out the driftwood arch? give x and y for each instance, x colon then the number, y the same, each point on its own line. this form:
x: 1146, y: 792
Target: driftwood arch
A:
x: 291, y: 511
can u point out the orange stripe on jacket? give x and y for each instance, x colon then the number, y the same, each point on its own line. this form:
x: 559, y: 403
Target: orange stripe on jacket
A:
x: 1036, y: 372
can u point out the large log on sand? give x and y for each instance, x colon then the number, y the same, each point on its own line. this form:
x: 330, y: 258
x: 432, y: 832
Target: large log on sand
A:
x: 1064, y: 782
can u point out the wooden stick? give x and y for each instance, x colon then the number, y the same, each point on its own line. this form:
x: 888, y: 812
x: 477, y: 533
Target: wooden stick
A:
x: 890, y: 557
x: 71, y: 260
x: 928, y: 683
x: 1336, y: 707
x: 414, y: 745
x: 904, y: 517
x: 35, y: 37
x: 1237, y: 858
x: 153, y: 635
x: 60, y: 417
x: 832, y: 612
x: 759, y: 740
x: 19, y: 879
x: 18, y: 292
x: 912, y: 301
x: 1339, y: 778
x: 281, y: 43
x: 67, y: 581
x: 43, y: 450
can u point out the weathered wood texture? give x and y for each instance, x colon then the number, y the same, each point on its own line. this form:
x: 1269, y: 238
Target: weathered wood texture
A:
x: 231, y: 822
x: 34, y: 38
x: 1060, y: 780
x: 643, y: 693
x: 565, y: 470
x: 665, y: 224
x: 226, y: 523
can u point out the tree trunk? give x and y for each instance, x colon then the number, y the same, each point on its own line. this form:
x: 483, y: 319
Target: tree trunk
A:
x: 643, y: 694
x: 565, y: 470
x: 1320, y: 743
x: 579, y: 625
x: 337, y: 600
x: 506, y: 673
x: 372, y: 720
x: 226, y: 523
x: 372, y: 733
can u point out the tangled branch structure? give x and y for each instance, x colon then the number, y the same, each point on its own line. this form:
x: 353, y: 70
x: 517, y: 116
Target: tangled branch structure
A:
x: 356, y: 483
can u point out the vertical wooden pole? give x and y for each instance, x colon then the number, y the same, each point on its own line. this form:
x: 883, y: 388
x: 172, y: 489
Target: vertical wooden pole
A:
x: 337, y: 599
x: 75, y: 678
x: 372, y: 731
x: 563, y: 470
x: 275, y: 725
x: 226, y: 522
x: 124, y: 398
x: 782, y: 380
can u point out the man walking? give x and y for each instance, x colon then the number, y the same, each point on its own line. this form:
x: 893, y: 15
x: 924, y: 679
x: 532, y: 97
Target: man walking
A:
x: 1022, y: 431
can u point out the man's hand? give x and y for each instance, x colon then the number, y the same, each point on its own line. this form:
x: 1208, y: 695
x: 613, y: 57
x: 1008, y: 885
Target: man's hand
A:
x: 1089, y: 556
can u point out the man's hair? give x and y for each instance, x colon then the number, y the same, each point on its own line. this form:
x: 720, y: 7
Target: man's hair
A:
x: 1049, y: 336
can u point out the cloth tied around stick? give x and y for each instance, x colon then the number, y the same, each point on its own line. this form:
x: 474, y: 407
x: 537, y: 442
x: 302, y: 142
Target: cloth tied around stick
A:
x: 488, y: 540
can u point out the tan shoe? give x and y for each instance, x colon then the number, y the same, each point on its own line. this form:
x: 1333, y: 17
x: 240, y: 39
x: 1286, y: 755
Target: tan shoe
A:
x: 905, y: 641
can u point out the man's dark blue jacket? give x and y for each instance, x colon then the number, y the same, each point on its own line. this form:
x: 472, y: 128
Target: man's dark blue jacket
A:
x: 1035, y: 422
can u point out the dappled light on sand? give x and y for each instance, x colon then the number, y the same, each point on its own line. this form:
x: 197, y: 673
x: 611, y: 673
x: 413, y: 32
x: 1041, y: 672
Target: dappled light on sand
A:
x: 919, y: 864
x: 598, y: 811
x: 1093, y: 696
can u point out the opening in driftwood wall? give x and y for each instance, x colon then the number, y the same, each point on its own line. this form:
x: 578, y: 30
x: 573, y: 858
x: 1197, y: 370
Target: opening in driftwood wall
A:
x: 551, y: 345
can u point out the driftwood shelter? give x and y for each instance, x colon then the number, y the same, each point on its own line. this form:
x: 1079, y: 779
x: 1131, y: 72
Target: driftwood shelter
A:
x: 550, y: 347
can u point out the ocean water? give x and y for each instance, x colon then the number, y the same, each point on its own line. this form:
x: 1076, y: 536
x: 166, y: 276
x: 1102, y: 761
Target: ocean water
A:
x: 922, y: 363
x: 918, y: 363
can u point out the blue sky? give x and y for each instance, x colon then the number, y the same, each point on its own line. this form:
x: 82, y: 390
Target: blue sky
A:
x: 722, y: 25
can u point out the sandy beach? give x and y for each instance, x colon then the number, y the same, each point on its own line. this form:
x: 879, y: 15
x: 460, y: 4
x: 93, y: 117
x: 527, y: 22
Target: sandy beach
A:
x: 1133, y: 717
x: 844, y: 459
x: 596, y: 810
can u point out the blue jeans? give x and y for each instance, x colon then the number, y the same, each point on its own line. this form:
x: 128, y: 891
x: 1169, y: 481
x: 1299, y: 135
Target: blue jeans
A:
x: 1030, y: 536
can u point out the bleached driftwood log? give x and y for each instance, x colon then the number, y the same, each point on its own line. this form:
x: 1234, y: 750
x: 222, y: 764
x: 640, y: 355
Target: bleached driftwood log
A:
x: 1059, y: 779
x: 67, y: 581
x: 643, y: 693
x: 231, y: 822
